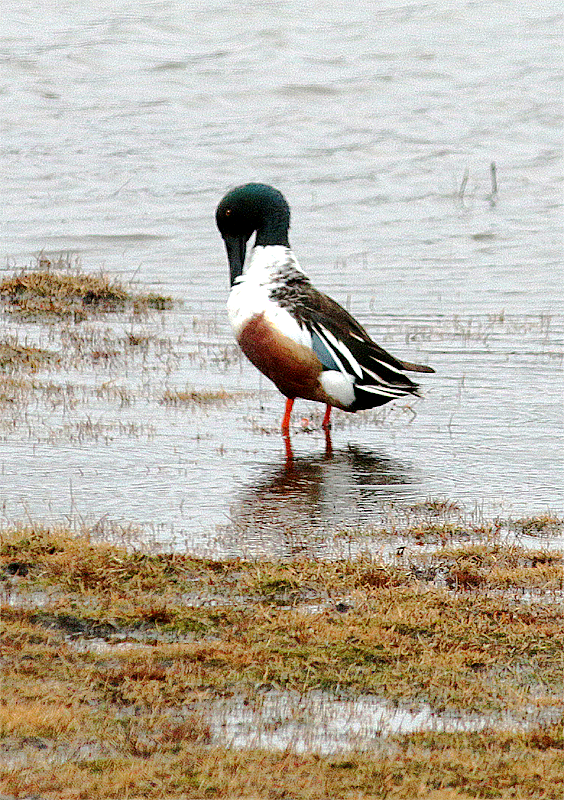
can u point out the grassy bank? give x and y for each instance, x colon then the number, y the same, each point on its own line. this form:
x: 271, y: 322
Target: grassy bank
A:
x: 110, y: 655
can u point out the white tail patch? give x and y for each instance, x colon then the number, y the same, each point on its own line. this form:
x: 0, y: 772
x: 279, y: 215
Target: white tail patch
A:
x: 338, y: 387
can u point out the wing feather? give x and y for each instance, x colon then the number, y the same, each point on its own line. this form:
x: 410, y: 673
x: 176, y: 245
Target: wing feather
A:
x: 342, y: 345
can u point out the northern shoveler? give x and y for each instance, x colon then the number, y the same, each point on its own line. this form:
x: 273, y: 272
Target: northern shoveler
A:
x: 306, y: 343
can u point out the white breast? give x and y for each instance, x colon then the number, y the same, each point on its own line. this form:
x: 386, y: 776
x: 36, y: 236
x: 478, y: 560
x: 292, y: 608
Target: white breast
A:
x: 250, y: 296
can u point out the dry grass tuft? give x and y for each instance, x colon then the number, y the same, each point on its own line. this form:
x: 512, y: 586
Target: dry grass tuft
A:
x: 505, y: 567
x: 14, y: 356
x: 55, y: 290
x: 437, y: 507
x: 198, y: 398
x: 546, y: 525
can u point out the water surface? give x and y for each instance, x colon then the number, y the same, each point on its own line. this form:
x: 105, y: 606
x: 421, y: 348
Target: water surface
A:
x: 124, y: 124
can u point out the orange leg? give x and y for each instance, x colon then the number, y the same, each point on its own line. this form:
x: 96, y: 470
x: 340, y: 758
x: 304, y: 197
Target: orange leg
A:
x: 328, y: 443
x: 287, y: 413
x: 327, y: 418
x: 289, y: 453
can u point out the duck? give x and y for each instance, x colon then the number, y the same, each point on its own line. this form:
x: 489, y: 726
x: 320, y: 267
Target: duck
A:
x: 308, y: 345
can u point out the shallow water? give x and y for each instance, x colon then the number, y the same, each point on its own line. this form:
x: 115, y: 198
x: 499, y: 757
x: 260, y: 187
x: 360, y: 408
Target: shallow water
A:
x: 125, y: 124
x: 323, y: 724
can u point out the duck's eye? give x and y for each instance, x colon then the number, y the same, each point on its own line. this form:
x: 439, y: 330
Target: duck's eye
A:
x: 227, y: 212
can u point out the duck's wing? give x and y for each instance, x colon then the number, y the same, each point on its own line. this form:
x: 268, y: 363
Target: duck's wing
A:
x: 342, y: 344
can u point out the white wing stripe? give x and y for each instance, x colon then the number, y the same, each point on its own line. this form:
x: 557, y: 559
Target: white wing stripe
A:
x: 388, y: 366
x: 344, y: 350
x: 383, y: 392
x: 377, y: 378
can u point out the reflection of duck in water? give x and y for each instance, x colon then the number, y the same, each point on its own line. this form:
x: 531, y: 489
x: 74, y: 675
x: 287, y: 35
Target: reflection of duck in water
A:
x: 302, y: 340
x: 290, y: 506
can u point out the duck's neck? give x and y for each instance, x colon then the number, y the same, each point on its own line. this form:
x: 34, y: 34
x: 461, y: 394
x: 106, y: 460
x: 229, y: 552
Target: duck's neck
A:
x: 274, y: 229
x: 270, y: 264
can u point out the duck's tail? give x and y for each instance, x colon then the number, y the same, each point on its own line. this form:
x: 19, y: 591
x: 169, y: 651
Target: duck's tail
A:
x: 409, y: 367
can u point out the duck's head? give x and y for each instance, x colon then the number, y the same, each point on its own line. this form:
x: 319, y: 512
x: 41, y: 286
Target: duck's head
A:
x: 246, y: 209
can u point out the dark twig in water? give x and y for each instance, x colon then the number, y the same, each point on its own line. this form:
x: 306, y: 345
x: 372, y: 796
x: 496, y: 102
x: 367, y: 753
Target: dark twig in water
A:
x: 463, y: 185
x: 493, y: 175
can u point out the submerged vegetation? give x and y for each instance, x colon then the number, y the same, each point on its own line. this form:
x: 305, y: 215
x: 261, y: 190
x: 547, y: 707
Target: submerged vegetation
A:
x: 113, y: 658
x: 189, y: 397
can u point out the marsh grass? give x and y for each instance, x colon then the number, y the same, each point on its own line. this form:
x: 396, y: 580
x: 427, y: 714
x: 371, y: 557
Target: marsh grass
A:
x: 430, y: 766
x: 545, y: 525
x: 188, y: 397
x: 502, y: 567
x: 58, y: 289
x: 80, y: 720
x: 14, y: 357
